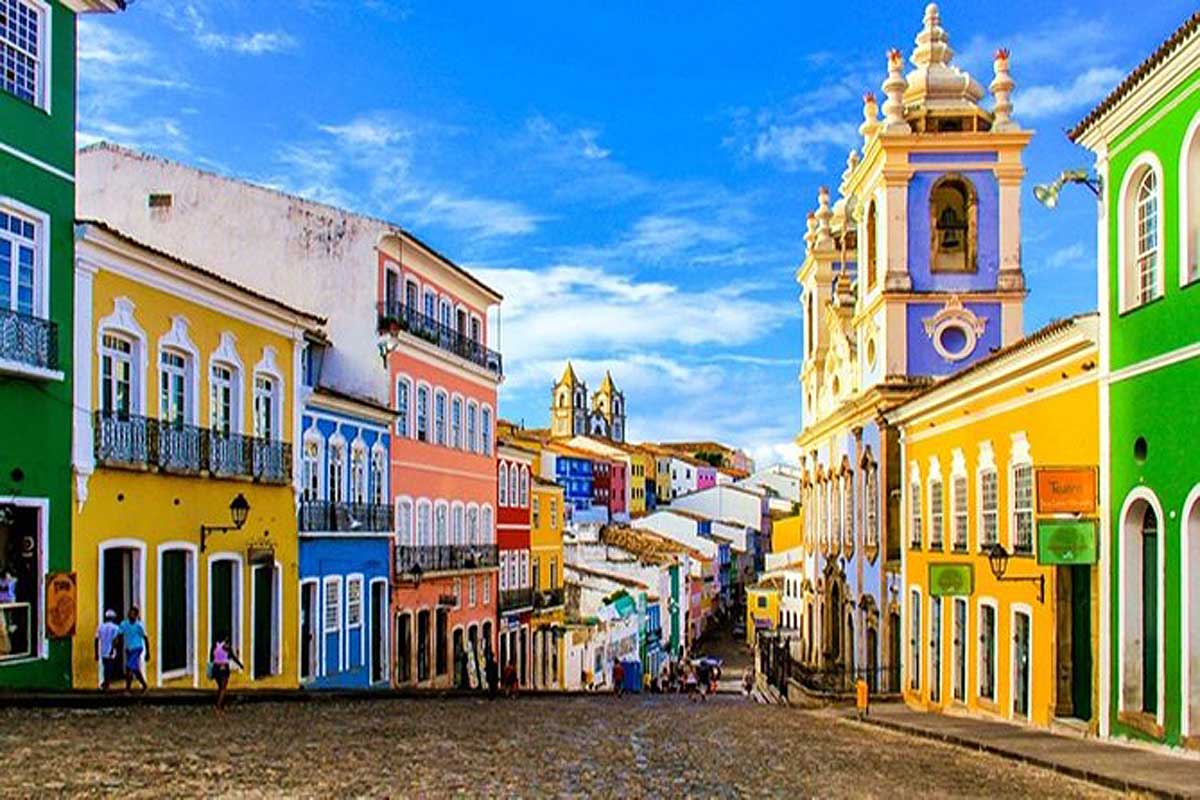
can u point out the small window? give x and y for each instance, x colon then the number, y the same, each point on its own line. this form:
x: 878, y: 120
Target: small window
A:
x: 403, y: 390
x: 354, y: 603
x: 959, y: 504
x: 989, y: 508
x: 472, y: 429
x: 502, y: 483
x: 423, y: 413
x: 378, y: 481
x: 222, y: 396
x: 23, y: 48
x: 337, y: 472
x: 174, y: 405
x: 936, y: 514
x: 266, y: 407
x: 21, y: 268
x: 1146, y: 253
x: 159, y: 200
x: 358, y: 473
x: 486, y: 431
x: 914, y: 511
x: 439, y: 418
x: 1022, y: 493
x: 333, y: 605
x: 761, y: 602
x: 310, y: 467
x: 952, y: 223
x: 456, y: 413
x: 116, y: 378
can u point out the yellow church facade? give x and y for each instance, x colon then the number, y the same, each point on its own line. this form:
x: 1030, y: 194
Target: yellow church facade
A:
x: 185, y: 414
x: 1001, y: 610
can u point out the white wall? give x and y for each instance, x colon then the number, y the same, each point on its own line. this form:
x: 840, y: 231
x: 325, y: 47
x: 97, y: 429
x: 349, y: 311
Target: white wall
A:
x: 679, y: 529
x: 724, y: 503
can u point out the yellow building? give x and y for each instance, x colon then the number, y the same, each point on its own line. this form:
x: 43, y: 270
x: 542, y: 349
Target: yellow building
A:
x: 787, y: 532
x: 762, y: 607
x: 547, y: 518
x: 641, y: 464
x: 1000, y: 614
x: 185, y: 414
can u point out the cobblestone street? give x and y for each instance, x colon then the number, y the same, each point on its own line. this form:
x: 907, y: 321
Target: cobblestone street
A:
x: 638, y: 746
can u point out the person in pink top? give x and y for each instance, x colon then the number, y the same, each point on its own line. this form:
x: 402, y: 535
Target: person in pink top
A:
x: 222, y: 654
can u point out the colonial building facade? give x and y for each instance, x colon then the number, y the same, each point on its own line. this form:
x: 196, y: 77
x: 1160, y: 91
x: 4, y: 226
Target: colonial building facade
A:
x: 912, y: 273
x: 1146, y: 137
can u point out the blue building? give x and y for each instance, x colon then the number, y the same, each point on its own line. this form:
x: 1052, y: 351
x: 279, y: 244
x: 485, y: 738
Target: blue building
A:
x: 575, y: 473
x: 911, y: 272
x: 346, y: 525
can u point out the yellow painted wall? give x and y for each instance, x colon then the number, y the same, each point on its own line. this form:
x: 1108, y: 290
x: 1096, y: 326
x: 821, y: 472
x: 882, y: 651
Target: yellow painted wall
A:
x: 1061, y: 429
x: 545, y: 539
x: 151, y: 509
x: 787, y: 533
x: 769, y: 612
x: 641, y: 465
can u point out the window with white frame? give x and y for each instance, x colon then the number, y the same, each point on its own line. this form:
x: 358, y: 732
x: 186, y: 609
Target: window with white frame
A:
x: 1140, y: 234
x: 266, y: 407
x: 871, y: 504
x: 358, y: 473
x: 310, y: 467
x: 1147, y: 245
x: 456, y: 412
x: 1189, y: 194
x: 422, y: 425
x: 485, y: 431
x: 472, y: 525
x: 504, y: 570
x: 354, y: 602
x: 430, y: 305
x: 847, y: 500
x: 1022, y: 509
x: 472, y: 422
x: 471, y: 591
x: 835, y: 507
x: 117, y: 354
x: 989, y: 507
x: 936, y: 512
x: 424, y: 523
x: 441, y: 524
x: 502, y: 484
x: 487, y: 589
x: 524, y: 576
x: 524, y: 486
x: 456, y: 526
x: 958, y: 502
x: 914, y: 510
x: 337, y: 471
x: 174, y: 390
x: 553, y: 512
x: 458, y: 592
x: 439, y: 417
x: 333, y: 605
x: 221, y: 410
x: 514, y: 486
x: 535, y: 516
x: 21, y: 268
x: 378, y: 481
x: 404, y: 521
x: 403, y: 398
x: 23, y: 45
x: 486, y: 534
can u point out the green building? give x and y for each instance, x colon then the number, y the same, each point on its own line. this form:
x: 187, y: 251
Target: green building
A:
x: 1146, y: 138
x: 37, y: 215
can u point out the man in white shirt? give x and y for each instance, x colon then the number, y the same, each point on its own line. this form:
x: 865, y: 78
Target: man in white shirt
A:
x: 106, y: 653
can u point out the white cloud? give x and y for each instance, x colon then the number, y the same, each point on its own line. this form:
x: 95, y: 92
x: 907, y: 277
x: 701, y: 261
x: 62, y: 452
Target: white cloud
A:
x: 188, y: 18
x: 804, y: 145
x: 664, y: 234
x: 107, y: 46
x: 1074, y: 257
x: 478, y: 215
x: 1049, y: 100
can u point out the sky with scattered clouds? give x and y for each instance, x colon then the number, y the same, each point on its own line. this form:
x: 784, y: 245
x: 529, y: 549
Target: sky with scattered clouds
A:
x: 633, y: 177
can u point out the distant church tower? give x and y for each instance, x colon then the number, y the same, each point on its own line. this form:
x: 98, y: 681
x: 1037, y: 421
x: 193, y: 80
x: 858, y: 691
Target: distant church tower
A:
x: 608, y: 410
x: 568, y: 410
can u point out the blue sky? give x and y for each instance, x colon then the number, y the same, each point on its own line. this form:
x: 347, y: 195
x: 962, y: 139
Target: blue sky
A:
x: 634, y: 177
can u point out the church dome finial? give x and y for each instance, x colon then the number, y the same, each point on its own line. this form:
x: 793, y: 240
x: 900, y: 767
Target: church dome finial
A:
x: 1002, y: 86
x: 870, y: 122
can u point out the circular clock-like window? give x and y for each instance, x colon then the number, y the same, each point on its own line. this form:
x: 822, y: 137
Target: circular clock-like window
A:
x: 954, y: 341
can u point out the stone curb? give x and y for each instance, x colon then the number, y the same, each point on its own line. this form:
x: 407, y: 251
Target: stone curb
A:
x: 1107, y: 781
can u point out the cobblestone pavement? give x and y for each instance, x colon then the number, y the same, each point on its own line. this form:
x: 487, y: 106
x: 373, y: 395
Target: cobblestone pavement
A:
x: 595, y: 746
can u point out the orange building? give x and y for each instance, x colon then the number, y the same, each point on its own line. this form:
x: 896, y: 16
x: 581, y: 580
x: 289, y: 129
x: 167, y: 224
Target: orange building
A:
x: 433, y: 336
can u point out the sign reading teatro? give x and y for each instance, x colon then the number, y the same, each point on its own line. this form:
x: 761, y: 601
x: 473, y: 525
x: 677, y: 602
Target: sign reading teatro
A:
x: 1066, y: 490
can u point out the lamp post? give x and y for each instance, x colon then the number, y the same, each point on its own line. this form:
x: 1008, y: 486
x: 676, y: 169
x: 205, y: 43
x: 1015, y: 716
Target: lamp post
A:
x: 998, y: 561
x: 239, y: 510
x: 1047, y: 193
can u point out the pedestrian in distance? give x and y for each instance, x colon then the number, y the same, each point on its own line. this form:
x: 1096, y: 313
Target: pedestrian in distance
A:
x: 492, y: 674
x: 218, y: 665
x: 618, y: 673
x: 108, y: 635
x: 510, y: 679
x: 703, y: 680
x: 137, y: 644
x: 664, y: 680
x: 689, y: 682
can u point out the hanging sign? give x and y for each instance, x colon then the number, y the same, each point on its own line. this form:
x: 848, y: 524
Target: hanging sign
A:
x: 1071, y: 541
x: 60, y: 605
x: 951, y: 580
x: 1066, y: 490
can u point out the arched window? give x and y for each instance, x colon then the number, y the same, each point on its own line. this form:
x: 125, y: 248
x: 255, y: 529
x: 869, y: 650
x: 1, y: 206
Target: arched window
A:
x: 472, y: 429
x: 422, y: 422
x: 378, y: 481
x: 118, y: 354
x: 439, y: 417
x: 441, y: 525
x: 514, y: 487
x: 337, y: 470
x: 502, y: 484
x: 485, y: 532
x: 1140, y: 232
x: 472, y: 525
x: 871, y: 246
x: 456, y: 412
x: 223, y: 397
x: 424, y: 523
x: 525, y: 486
x: 404, y: 521
x: 456, y: 523
x: 952, y: 218
x: 310, y: 466
x: 358, y: 473
x: 403, y: 399
x: 266, y: 407
x: 1189, y: 195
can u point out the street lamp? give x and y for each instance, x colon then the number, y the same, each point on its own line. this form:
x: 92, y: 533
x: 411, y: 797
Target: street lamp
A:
x: 998, y: 561
x: 415, y: 572
x: 239, y: 510
x: 1047, y: 193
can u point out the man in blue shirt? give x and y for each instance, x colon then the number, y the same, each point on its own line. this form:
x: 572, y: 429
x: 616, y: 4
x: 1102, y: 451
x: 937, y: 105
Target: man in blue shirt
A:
x: 136, y: 643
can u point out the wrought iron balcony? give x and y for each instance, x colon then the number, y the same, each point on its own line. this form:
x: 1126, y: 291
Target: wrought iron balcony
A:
x: 549, y: 598
x: 326, y: 517
x: 31, y: 341
x: 398, y: 317
x: 511, y: 599
x: 412, y: 560
x: 130, y: 440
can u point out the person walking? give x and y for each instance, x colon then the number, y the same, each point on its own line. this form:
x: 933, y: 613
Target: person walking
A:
x: 618, y: 673
x: 510, y: 679
x: 222, y: 654
x: 136, y: 644
x: 703, y: 679
x: 689, y: 681
x: 107, y: 634
x: 492, y: 673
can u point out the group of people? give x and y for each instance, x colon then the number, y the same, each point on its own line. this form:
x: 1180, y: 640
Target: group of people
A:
x: 123, y: 648
x: 506, y: 679
x: 696, y: 679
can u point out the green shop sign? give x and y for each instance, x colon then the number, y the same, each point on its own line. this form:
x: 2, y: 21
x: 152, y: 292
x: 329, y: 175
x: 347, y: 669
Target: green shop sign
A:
x: 949, y: 580
x: 1067, y: 541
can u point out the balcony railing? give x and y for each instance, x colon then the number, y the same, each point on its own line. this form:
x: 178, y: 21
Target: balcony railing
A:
x: 27, y: 340
x: 515, y: 598
x: 443, y: 558
x: 548, y: 598
x: 327, y: 517
x: 129, y: 440
x: 397, y: 317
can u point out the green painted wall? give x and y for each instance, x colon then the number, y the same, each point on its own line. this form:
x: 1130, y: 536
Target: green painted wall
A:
x: 1158, y: 405
x: 37, y: 414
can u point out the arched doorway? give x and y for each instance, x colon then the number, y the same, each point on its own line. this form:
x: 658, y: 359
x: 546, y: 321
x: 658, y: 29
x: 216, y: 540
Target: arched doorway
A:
x: 1191, y: 612
x: 1141, y: 604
